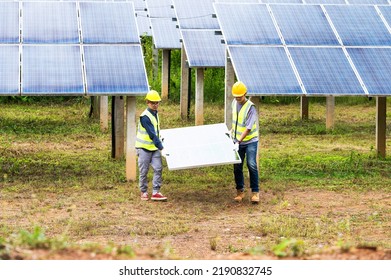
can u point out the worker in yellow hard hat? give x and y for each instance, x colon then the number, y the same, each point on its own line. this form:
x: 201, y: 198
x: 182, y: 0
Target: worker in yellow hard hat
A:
x: 149, y: 148
x: 245, y: 135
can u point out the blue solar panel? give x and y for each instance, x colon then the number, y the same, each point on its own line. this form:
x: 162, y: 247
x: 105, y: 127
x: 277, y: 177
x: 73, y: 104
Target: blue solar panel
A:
x: 203, y: 48
x: 325, y: 1
x: 386, y: 12
x: 282, y: 1
x: 115, y: 69
x: 238, y: 1
x: 9, y: 70
x: 369, y: 2
x: 50, y: 22
x: 51, y: 69
x: 143, y: 23
x: 373, y: 64
x: 325, y: 71
x: 165, y: 34
x: 195, y: 14
x: 304, y: 25
x: 359, y: 25
x: 160, y: 8
x: 265, y: 70
x: 9, y: 22
x: 108, y: 22
x: 246, y: 24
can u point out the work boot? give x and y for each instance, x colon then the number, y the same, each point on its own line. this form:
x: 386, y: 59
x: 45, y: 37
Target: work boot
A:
x: 239, y: 196
x: 255, y: 197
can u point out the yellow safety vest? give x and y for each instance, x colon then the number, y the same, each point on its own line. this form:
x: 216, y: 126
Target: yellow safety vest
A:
x: 142, y: 138
x: 239, y: 121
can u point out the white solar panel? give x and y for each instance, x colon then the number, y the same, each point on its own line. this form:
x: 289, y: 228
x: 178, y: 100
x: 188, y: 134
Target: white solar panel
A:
x: 198, y: 146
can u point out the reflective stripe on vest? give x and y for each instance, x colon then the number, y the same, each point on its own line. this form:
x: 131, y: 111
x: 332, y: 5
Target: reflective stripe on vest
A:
x: 239, y: 121
x: 142, y: 138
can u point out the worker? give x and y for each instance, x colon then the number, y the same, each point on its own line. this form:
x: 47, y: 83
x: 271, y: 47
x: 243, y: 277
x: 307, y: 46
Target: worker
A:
x: 149, y: 148
x: 245, y: 136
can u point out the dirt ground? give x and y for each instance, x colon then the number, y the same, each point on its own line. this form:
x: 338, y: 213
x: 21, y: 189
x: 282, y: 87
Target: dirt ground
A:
x: 196, y: 243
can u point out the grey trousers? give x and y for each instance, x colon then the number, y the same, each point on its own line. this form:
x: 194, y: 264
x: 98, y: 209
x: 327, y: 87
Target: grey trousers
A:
x: 146, y: 159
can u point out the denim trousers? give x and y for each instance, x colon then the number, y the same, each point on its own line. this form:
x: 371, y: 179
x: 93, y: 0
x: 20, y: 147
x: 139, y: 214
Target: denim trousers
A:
x: 146, y: 159
x: 249, y: 150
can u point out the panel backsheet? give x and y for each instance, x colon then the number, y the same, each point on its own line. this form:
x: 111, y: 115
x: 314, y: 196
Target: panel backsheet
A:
x: 198, y: 146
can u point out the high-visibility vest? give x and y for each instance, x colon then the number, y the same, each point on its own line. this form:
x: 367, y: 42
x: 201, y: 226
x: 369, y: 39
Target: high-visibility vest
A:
x: 142, y: 138
x: 239, y: 121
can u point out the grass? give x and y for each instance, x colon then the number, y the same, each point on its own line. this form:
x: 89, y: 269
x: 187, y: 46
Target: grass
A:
x: 319, y: 188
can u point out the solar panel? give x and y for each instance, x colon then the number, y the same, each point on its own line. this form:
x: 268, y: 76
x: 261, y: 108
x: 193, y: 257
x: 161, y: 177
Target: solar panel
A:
x: 108, y: 22
x: 369, y: 2
x: 325, y: 71
x: 51, y: 69
x: 115, y: 69
x: 165, y: 34
x: 198, y: 146
x: 203, y: 48
x: 237, y: 1
x: 143, y: 23
x: 50, y: 22
x: 160, y: 9
x: 139, y: 5
x: 9, y: 70
x: 325, y: 1
x: 9, y: 22
x: 264, y: 70
x: 246, y: 24
x: 195, y: 14
x: 282, y: 1
x: 359, y: 25
x: 373, y: 64
x: 386, y: 12
x: 304, y: 25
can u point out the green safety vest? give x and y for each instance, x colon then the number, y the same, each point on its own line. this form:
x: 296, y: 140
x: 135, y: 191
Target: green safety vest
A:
x: 239, y: 121
x: 142, y: 138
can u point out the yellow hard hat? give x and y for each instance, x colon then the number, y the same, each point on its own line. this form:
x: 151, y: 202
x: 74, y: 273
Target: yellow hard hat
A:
x: 239, y: 89
x: 153, y: 96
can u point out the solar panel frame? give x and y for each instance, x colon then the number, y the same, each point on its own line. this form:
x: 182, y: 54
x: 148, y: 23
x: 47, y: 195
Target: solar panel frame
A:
x: 50, y: 22
x: 115, y: 70
x: 198, y: 146
x: 325, y: 71
x: 304, y: 25
x: 52, y: 70
x: 203, y: 48
x: 247, y: 24
x: 373, y: 64
x: 195, y: 15
x: 9, y: 70
x: 359, y: 25
x: 267, y: 63
x: 96, y: 27
x: 9, y: 22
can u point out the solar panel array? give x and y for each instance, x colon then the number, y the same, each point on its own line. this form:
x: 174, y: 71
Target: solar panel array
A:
x: 164, y: 29
x: 67, y: 48
x: 198, y: 28
x: 309, y: 49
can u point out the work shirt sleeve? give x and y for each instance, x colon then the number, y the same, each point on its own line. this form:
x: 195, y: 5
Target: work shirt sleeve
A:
x: 146, y: 123
x: 251, y: 118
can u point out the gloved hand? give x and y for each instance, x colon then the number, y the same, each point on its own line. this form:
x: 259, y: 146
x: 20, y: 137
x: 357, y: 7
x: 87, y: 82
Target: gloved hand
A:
x: 236, y: 146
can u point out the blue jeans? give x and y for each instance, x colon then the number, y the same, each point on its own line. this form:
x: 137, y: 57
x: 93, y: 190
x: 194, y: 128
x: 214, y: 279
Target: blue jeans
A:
x: 251, y: 151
